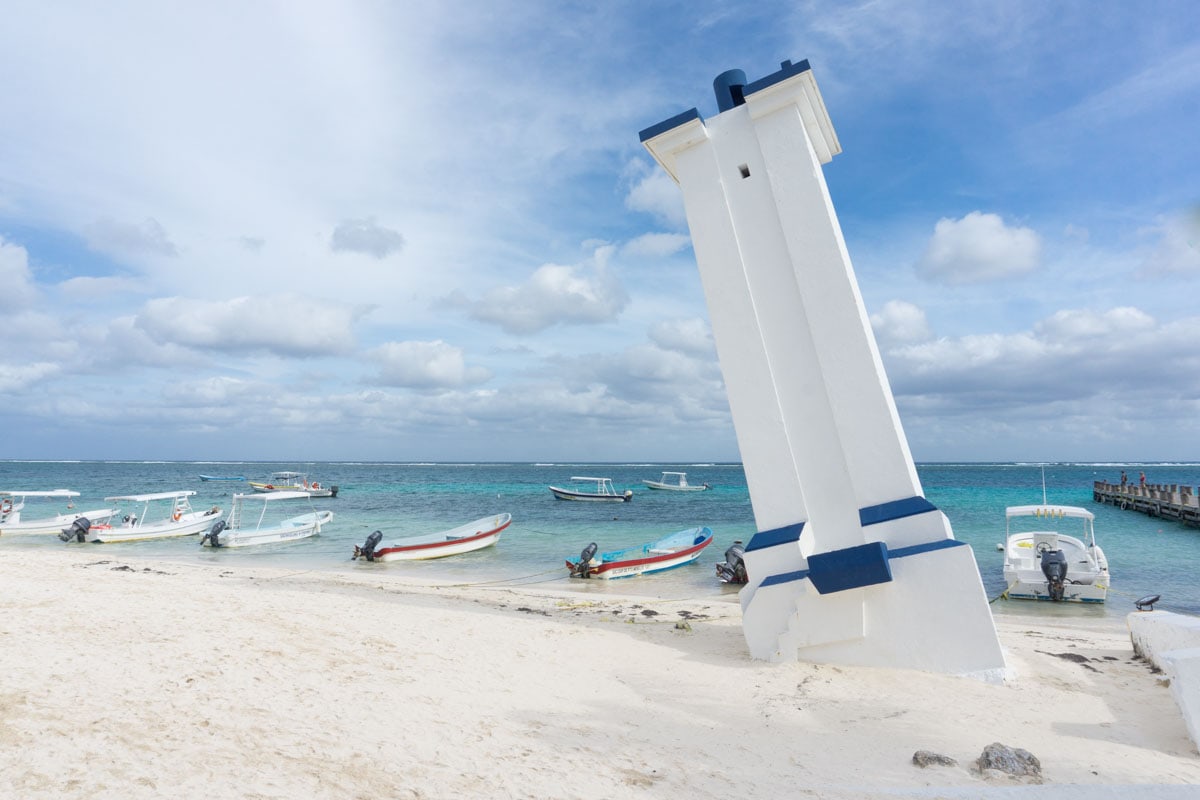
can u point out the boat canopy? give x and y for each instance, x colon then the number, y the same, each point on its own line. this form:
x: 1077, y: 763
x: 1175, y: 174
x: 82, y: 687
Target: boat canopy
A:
x: 51, y: 493
x: 287, y: 474
x: 585, y: 478
x: 146, y: 498
x: 1048, y: 512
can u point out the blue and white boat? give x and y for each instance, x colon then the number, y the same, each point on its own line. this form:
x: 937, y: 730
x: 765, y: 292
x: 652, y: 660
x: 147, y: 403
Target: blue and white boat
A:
x: 675, y: 550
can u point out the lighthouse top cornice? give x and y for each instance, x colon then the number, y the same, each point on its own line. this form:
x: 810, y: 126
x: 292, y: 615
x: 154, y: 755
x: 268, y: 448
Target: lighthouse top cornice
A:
x: 791, y: 84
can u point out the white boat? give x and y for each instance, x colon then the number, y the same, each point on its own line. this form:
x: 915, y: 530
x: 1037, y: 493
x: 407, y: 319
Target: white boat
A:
x: 12, y: 506
x: 673, y: 550
x: 294, y: 482
x: 257, y: 519
x: 675, y: 482
x: 476, y: 535
x: 602, y: 491
x: 158, y: 515
x: 1042, y: 562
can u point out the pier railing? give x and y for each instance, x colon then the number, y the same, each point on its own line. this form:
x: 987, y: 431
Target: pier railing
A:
x: 1169, y: 500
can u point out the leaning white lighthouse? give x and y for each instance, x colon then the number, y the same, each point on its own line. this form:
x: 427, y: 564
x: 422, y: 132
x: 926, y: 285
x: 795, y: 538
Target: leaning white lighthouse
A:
x: 851, y: 563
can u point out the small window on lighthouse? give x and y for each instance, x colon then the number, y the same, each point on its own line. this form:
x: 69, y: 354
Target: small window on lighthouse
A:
x: 745, y: 170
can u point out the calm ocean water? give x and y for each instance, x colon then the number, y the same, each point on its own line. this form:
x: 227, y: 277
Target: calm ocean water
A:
x: 1146, y: 556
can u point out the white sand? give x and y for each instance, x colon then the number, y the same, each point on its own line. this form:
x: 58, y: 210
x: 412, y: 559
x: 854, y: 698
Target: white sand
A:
x: 157, y: 680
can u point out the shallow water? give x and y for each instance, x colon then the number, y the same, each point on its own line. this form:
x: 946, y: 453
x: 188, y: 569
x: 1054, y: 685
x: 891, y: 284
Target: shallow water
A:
x: 1146, y: 555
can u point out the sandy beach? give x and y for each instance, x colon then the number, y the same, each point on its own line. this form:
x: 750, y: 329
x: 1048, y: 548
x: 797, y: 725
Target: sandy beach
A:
x: 127, y: 678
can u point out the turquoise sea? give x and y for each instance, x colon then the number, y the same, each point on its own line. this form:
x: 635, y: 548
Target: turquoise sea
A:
x: 1146, y: 555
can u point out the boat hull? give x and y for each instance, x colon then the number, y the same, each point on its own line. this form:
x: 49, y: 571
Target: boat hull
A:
x: 308, y: 490
x: 646, y: 560
x: 483, y: 533
x: 55, y: 525
x: 590, y: 497
x: 187, y: 525
x: 303, y: 526
x: 669, y: 487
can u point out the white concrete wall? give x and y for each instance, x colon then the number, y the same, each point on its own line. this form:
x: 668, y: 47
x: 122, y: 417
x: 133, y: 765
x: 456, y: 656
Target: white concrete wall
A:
x: 1171, y: 642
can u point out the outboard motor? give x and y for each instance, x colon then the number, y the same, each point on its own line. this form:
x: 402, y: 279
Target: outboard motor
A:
x: 1054, y: 567
x: 367, y: 551
x: 733, y: 568
x: 213, y: 537
x: 78, y: 530
x: 582, y: 568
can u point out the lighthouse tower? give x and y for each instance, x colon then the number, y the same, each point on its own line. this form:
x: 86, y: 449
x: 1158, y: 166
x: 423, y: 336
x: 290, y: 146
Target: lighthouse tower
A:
x: 851, y: 564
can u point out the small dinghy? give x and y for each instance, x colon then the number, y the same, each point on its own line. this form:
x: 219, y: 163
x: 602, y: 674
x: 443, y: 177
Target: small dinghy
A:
x: 675, y: 550
x: 476, y: 535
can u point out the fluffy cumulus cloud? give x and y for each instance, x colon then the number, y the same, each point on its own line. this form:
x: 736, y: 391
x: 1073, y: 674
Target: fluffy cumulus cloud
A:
x: 1178, y: 248
x: 656, y: 245
x: 689, y: 336
x: 900, y: 322
x: 554, y: 295
x: 15, y: 377
x: 129, y: 239
x: 365, y: 236
x: 426, y: 365
x: 16, y: 281
x: 283, y: 324
x: 654, y: 193
x: 976, y: 249
x: 1070, y: 356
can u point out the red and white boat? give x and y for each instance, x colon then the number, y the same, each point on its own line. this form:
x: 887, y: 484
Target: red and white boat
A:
x: 476, y: 535
x: 675, y: 550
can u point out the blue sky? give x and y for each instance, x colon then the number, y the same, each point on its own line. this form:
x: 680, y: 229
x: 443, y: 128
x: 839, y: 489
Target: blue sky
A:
x: 361, y: 230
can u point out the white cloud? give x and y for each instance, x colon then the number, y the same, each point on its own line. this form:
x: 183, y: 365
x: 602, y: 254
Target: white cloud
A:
x: 283, y: 324
x: 129, y: 239
x: 657, y: 245
x: 365, y: 236
x: 1086, y: 328
x: 1178, y: 248
x: 689, y: 336
x: 425, y: 365
x: 16, y: 281
x: 555, y: 295
x: 16, y: 377
x: 900, y: 322
x: 976, y: 249
x: 656, y: 194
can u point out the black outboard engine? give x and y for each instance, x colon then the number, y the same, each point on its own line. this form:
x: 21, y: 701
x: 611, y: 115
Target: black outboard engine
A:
x: 582, y: 568
x: 78, y: 530
x: 1054, y: 567
x: 367, y: 551
x: 213, y: 537
x: 733, y: 568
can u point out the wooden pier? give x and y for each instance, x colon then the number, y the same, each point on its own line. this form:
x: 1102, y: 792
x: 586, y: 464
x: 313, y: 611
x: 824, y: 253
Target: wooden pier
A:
x: 1170, y: 501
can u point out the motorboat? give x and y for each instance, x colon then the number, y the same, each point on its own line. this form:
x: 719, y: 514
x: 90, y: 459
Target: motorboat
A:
x: 222, y: 477
x: 288, y: 481
x: 476, y: 535
x: 258, y: 519
x: 12, y: 508
x: 602, y: 491
x: 733, y: 568
x: 159, y: 515
x: 673, y: 550
x: 1043, y: 561
x: 675, y: 482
